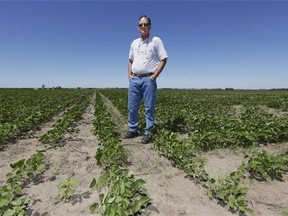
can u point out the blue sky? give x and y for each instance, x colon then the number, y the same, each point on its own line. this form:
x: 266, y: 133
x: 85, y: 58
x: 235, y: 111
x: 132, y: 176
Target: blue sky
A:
x: 211, y: 44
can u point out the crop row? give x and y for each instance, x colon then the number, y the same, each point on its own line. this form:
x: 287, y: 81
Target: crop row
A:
x: 22, y: 111
x: 227, y: 189
x: 67, y: 122
x: 126, y: 195
x: 12, y: 200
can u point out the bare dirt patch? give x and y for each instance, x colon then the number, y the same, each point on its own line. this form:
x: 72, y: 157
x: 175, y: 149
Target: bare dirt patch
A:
x: 76, y: 157
x: 172, y: 193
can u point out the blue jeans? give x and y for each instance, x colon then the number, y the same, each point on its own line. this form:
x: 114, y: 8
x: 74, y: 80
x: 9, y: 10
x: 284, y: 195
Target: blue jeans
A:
x: 141, y: 88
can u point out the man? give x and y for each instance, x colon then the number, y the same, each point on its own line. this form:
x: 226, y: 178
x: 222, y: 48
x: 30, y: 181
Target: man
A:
x: 147, y: 59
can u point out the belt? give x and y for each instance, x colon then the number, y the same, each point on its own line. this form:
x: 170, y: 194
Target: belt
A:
x: 142, y: 75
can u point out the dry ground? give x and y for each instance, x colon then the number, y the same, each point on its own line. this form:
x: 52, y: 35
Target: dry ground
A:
x: 172, y: 193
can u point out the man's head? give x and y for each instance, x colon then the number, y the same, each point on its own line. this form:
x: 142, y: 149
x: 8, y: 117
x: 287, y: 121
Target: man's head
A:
x: 144, y: 25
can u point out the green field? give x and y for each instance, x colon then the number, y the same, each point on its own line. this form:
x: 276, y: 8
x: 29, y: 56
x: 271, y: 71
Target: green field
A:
x: 189, y: 124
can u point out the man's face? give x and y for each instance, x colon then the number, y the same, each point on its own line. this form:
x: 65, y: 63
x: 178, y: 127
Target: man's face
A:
x: 143, y: 26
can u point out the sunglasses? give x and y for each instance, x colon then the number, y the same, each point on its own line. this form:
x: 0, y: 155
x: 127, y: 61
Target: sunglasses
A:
x: 143, y: 24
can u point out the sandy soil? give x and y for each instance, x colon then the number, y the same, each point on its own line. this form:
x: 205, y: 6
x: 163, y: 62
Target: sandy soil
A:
x: 172, y: 194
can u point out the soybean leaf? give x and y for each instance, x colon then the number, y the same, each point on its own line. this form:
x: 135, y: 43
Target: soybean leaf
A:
x: 93, y: 183
x: 94, y: 207
x: 142, y: 202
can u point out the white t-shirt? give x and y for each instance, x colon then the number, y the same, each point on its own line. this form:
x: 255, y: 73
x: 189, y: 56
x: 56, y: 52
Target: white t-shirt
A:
x: 146, y: 54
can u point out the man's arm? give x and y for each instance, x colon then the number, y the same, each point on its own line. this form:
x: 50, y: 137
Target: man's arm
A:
x: 130, y: 73
x: 159, y: 69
